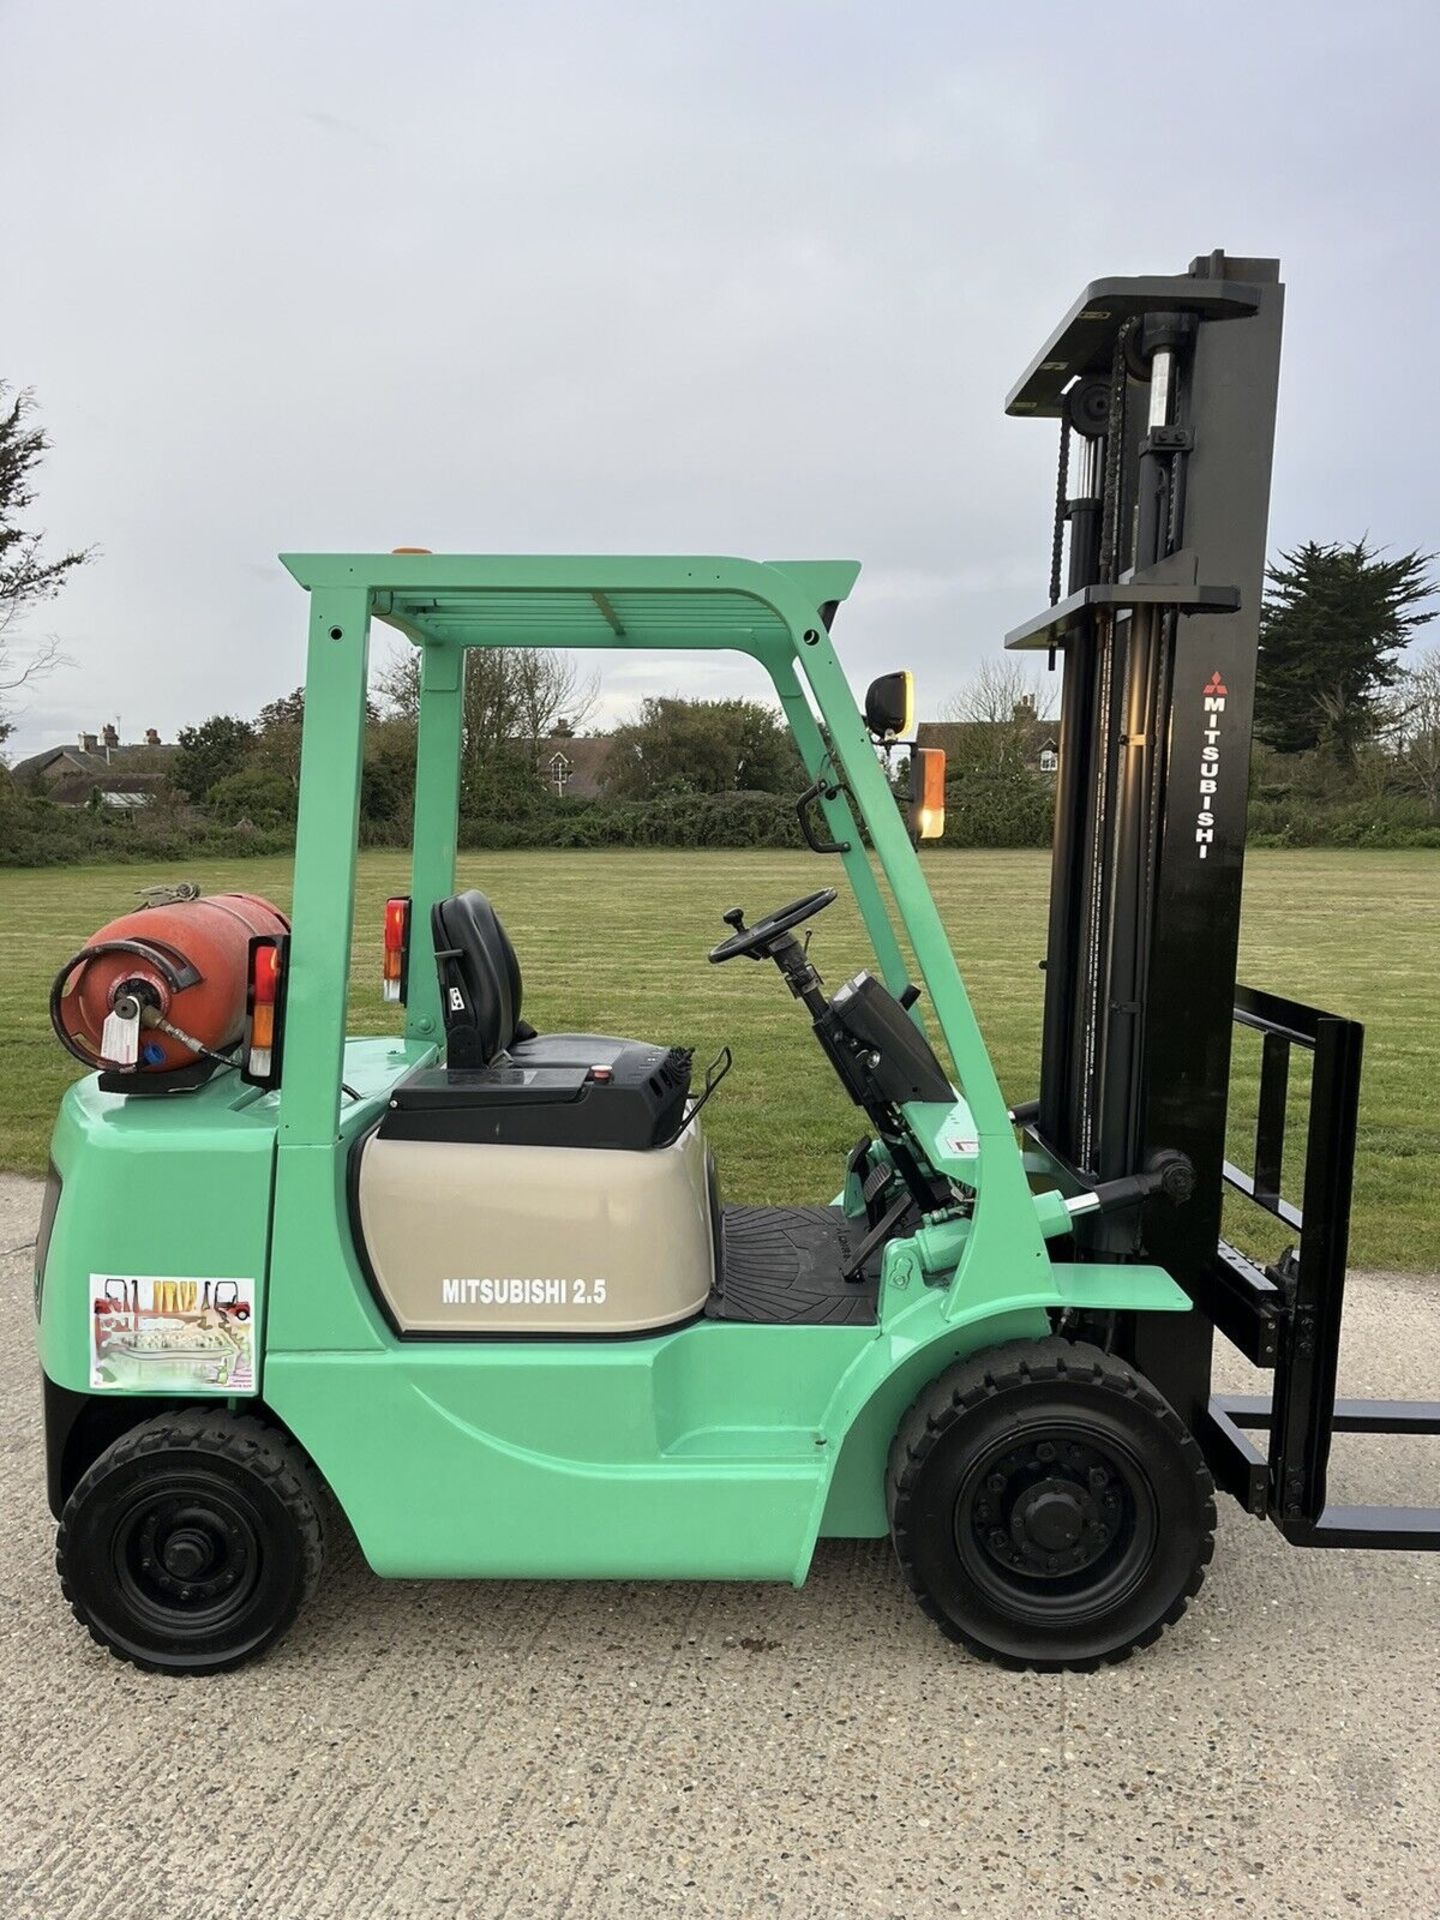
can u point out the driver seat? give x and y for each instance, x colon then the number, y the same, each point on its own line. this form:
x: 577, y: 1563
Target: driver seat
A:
x: 481, y: 990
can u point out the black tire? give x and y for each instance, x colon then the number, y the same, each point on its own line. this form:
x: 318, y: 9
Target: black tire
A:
x: 192, y: 1542
x: 1048, y: 1506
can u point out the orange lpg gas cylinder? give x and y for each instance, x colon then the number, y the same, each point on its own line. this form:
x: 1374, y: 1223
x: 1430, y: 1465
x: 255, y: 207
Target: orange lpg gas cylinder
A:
x: 169, y: 979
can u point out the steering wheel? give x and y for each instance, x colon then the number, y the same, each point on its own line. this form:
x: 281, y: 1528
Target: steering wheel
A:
x: 754, y: 942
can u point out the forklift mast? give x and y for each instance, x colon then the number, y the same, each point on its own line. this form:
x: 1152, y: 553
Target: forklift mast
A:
x: 1165, y: 392
x: 1165, y: 389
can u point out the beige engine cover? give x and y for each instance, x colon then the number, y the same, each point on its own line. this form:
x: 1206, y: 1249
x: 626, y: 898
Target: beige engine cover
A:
x: 491, y: 1239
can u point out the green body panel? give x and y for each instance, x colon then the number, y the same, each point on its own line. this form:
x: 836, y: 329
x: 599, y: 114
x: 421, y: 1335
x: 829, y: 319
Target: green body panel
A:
x: 690, y: 1455
x: 711, y: 1450
x: 180, y: 1187
x: 175, y: 1188
x: 718, y: 1451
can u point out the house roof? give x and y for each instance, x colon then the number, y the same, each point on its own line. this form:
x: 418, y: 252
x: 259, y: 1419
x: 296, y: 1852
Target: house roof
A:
x: 74, y: 789
x: 138, y: 757
x: 587, y: 750
x: 587, y: 756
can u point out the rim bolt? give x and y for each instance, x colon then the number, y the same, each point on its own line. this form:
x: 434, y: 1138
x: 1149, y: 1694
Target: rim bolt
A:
x: 1045, y: 1451
x: 148, y: 1564
x: 1052, y: 1564
x: 999, y: 1539
x: 1097, y: 1477
x: 996, y: 1483
x: 185, y: 1593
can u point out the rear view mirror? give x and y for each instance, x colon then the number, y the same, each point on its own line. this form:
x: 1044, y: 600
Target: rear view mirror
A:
x: 927, y: 793
x: 890, y: 706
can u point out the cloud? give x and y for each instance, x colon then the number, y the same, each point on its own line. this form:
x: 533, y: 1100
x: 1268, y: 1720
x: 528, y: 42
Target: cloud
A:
x: 642, y: 277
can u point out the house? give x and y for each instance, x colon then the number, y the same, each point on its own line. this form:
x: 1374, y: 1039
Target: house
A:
x: 125, y: 776
x: 1024, y: 739
x: 573, y: 764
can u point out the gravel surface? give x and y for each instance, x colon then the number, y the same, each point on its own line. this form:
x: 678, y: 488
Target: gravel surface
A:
x: 480, y: 1750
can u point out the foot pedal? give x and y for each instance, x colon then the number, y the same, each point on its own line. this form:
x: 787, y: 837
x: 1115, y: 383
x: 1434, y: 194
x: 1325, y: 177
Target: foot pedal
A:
x: 854, y: 1271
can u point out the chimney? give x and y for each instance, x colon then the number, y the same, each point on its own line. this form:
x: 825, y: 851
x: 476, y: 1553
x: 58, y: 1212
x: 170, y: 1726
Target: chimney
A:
x: 88, y: 742
x: 1024, y: 708
x: 112, y: 738
x: 152, y: 738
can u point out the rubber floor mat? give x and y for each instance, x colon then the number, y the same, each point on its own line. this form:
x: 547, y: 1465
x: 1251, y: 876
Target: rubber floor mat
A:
x: 785, y: 1265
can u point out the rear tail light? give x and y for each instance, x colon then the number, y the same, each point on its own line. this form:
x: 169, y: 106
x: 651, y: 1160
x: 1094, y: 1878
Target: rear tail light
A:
x: 265, y: 1010
x: 396, y: 971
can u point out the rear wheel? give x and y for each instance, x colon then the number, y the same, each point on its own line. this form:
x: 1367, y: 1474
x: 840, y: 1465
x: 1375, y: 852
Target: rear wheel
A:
x: 192, y: 1542
x: 1048, y: 1507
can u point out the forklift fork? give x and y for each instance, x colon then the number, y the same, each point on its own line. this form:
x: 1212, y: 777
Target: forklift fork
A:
x: 1288, y: 1316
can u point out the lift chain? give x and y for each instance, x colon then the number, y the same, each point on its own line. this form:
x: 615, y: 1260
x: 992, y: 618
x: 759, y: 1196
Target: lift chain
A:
x: 1062, y: 489
x: 1114, y: 448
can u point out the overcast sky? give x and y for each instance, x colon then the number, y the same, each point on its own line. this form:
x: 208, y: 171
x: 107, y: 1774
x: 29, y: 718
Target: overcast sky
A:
x: 719, y: 278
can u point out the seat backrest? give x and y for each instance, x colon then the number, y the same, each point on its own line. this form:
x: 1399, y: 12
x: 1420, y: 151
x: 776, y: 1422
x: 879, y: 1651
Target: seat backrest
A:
x: 480, y: 982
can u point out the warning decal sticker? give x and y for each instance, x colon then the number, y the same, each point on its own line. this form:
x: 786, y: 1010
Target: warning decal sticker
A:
x: 158, y: 1334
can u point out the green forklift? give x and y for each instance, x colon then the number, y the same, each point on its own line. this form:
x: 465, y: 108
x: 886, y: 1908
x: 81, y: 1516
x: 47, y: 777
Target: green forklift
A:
x: 475, y: 1286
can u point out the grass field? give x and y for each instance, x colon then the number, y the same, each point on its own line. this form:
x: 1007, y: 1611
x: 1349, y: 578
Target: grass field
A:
x: 617, y: 943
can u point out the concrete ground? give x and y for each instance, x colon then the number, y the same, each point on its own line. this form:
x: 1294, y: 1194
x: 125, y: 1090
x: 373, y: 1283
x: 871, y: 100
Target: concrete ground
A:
x: 562, y: 1750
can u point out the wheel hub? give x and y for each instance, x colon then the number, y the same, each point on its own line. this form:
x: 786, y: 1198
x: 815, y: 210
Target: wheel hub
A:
x: 1048, y: 1508
x: 189, y: 1554
x: 1051, y: 1517
x: 186, y: 1553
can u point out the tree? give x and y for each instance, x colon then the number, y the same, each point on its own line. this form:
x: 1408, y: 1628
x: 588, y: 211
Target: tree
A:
x: 210, y: 753
x: 257, y: 794
x: 283, y: 715
x: 387, y: 787
x: 26, y: 575
x: 511, y: 694
x: 1000, y: 712
x: 514, y: 698
x: 277, y: 732
x: 702, y: 746
x: 551, y: 695
x: 1333, y: 620
x: 1417, y: 728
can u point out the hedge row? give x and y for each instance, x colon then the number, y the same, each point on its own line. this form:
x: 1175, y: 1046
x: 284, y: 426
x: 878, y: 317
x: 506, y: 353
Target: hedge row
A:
x: 979, y: 812
x: 36, y: 833
x: 1387, y: 820
x: 679, y: 820
x: 984, y: 811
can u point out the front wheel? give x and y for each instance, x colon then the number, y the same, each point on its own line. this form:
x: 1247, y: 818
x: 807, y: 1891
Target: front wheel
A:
x: 192, y: 1542
x: 1048, y: 1507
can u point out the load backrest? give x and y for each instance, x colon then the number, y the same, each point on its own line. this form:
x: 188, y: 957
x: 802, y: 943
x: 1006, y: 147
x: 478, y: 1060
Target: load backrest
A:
x: 480, y: 981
